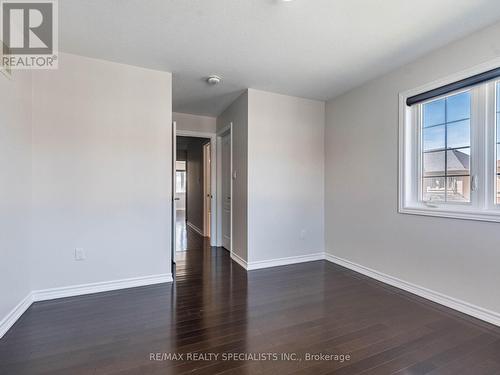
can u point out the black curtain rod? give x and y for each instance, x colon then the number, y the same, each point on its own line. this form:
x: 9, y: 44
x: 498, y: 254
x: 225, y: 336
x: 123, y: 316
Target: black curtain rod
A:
x: 446, y: 89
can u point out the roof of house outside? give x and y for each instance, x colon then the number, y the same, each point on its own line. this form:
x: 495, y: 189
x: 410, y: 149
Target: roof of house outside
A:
x: 458, y: 163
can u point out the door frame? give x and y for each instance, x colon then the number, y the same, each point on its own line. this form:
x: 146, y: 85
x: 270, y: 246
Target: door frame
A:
x: 220, y: 134
x: 173, y: 214
x: 213, y: 177
x: 207, y: 189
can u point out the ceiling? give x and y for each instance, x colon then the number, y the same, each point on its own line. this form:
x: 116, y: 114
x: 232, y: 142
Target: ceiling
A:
x: 315, y: 49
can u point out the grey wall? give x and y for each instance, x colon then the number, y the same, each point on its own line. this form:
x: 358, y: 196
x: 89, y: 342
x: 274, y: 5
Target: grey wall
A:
x: 237, y: 113
x: 285, y: 176
x: 15, y: 189
x: 278, y: 158
x: 456, y: 257
x: 181, y: 155
x: 101, y: 160
x: 194, y: 167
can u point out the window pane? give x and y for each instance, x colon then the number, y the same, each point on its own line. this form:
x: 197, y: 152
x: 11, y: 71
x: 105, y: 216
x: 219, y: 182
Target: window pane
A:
x: 498, y: 158
x: 433, y: 189
x: 433, y: 164
x: 458, y: 189
x: 459, y: 134
x: 498, y: 112
x: 458, y: 162
x: 434, y: 138
x: 498, y: 126
x: 434, y: 113
x: 498, y: 96
x: 498, y: 189
x: 458, y: 107
x: 446, y: 126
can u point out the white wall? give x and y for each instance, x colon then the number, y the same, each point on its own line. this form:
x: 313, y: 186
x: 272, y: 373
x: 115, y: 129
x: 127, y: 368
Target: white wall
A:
x: 278, y: 193
x: 285, y: 176
x: 456, y: 257
x: 195, y: 123
x: 237, y: 113
x: 15, y: 189
x: 101, y: 180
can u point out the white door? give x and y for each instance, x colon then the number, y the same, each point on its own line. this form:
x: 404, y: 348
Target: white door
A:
x: 174, y: 197
x: 226, y: 191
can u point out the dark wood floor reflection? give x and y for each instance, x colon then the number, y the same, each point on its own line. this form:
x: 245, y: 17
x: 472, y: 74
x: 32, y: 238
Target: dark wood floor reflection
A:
x: 181, y: 234
x: 214, y: 306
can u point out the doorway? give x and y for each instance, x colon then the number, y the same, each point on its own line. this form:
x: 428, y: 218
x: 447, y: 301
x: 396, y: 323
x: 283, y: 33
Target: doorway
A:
x: 192, y: 191
x: 215, y: 183
x: 180, y: 204
x: 194, y: 197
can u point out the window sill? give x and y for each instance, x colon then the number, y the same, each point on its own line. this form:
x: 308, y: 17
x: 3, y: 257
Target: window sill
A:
x: 455, y: 213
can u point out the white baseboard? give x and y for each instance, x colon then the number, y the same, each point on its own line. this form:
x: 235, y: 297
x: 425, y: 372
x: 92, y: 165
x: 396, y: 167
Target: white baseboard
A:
x: 276, y: 262
x: 442, y: 299
x: 104, y: 286
x: 8, y: 321
x: 78, y: 290
x: 239, y: 260
x: 284, y: 261
x: 195, y: 228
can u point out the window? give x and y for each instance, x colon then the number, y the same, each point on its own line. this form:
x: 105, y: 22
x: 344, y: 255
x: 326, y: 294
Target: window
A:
x: 445, y: 128
x: 450, y: 149
x: 180, y: 181
x: 446, y: 149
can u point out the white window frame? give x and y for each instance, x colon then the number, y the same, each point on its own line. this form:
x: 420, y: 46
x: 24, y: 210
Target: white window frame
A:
x: 483, y: 152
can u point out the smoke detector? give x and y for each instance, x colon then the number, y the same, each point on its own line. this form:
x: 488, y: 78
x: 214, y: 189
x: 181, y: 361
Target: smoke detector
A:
x: 214, y: 80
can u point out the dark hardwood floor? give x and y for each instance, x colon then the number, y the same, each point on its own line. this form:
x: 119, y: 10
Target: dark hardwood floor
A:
x: 214, y: 306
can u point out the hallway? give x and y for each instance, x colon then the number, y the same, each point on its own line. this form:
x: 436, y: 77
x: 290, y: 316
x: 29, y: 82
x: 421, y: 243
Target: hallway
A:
x: 192, y: 250
x: 214, y: 308
x: 180, y: 230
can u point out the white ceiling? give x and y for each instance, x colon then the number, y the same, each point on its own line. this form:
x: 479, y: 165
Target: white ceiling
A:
x: 309, y: 48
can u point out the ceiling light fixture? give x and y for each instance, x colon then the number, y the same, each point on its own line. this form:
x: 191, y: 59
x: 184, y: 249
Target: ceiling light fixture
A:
x: 214, y: 79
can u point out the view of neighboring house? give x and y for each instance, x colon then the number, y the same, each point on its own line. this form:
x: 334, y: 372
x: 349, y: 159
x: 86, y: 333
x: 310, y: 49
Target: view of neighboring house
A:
x: 455, y: 185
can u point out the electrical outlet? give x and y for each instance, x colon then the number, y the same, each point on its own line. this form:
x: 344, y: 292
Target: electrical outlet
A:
x: 79, y: 253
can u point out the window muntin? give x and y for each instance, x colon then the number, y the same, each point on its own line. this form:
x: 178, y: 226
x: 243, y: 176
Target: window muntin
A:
x: 446, y: 149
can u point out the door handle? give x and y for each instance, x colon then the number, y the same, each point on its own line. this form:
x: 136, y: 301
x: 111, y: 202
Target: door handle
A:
x: 177, y: 199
